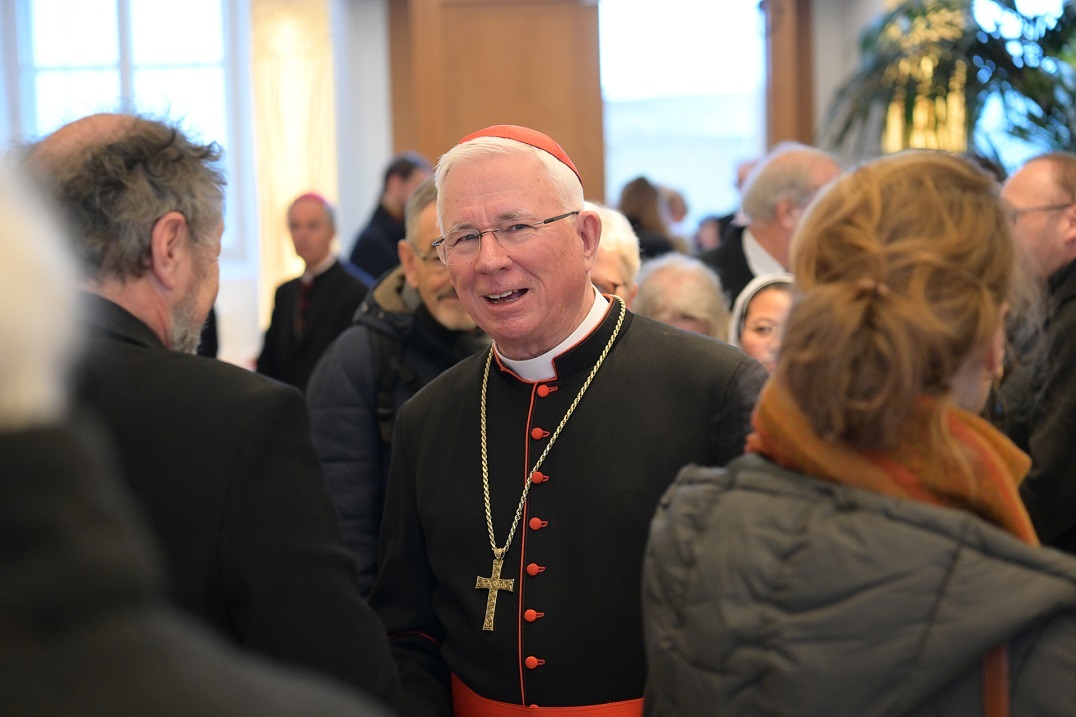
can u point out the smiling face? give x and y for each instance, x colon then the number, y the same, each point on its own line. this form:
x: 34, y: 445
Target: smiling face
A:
x: 429, y: 276
x: 531, y: 297
x: 763, y: 324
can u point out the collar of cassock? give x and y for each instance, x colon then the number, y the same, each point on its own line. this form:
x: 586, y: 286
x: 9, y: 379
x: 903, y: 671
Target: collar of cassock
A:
x: 540, y: 368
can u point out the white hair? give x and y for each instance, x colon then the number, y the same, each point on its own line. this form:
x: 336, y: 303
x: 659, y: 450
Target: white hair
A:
x: 783, y: 173
x: 677, y: 286
x: 566, y: 184
x: 618, y: 237
x: 39, y: 307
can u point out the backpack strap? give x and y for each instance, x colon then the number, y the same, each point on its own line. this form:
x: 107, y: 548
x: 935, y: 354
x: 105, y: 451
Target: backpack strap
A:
x: 996, y: 682
x: 389, y: 369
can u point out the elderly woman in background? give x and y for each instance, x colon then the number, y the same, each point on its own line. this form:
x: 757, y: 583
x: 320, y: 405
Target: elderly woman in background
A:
x: 618, y: 260
x: 870, y: 555
x: 683, y: 292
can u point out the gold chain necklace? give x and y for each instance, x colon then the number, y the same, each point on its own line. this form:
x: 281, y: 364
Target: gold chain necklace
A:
x: 495, y: 582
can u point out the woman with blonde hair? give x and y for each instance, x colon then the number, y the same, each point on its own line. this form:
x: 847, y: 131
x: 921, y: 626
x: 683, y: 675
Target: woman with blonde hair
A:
x: 870, y: 555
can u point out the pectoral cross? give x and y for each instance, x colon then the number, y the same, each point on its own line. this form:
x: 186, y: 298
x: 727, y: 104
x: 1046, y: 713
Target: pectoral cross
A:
x: 493, y: 583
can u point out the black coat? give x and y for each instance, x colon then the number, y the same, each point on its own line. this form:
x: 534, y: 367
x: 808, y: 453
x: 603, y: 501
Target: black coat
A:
x: 662, y: 399
x: 1039, y: 404
x: 730, y: 263
x: 374, y: 251
x: 344, y: 397
x: 220, y: 460
x: 290, y: 354
x: 86, y: 628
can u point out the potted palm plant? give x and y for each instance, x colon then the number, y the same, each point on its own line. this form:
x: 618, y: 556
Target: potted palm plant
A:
x: 929, y: 69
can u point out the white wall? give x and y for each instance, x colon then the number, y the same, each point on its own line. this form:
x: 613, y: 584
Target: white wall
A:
x: 838, y: 25
x: 363, y: 109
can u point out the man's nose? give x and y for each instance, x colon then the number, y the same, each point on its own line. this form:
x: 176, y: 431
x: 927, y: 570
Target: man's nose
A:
x: 491, y: 254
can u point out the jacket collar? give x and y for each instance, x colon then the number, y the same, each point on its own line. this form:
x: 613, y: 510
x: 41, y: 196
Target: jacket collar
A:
x: 109, y: 318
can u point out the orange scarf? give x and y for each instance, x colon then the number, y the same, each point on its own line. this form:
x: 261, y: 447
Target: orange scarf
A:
x: 909, y: 470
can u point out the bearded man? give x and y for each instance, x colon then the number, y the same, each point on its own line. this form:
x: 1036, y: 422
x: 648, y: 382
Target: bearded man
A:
x: 220, y: 459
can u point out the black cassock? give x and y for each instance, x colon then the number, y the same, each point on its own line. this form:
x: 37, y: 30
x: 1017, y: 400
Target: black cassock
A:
x: 570, y: 631
x: 293, y: 344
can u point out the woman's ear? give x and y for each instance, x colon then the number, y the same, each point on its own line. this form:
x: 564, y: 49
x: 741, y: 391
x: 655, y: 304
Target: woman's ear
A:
x: 995, y: 356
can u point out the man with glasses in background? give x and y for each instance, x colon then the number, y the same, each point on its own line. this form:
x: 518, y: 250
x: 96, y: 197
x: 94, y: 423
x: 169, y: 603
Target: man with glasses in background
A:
x: 524, y: 478
x: 775, y: 195
x: 411, y: 327
x: 1038, y: 399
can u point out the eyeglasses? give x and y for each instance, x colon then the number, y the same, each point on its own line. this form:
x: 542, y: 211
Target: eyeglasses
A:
x: 607, y: 288
x: 465, y: 242
x: 432, y: 259
x: 1017, y: 213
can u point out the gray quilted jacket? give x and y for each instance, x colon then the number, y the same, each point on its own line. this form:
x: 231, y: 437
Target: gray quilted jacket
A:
x: 767, y: 592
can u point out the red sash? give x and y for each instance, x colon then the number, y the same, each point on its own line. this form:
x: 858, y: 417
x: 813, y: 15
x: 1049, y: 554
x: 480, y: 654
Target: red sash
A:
x: 467, y: 703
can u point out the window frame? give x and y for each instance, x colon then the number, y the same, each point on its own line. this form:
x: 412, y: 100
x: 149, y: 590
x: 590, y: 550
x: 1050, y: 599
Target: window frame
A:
x: 20, y: 120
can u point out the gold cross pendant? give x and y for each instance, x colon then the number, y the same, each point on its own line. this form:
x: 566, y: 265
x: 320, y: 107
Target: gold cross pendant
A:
x: 493, y: 583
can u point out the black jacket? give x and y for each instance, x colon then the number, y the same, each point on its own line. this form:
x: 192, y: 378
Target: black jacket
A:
x: 86, y: 629
x: 220, y: 461
x: 374, y: 252
x: 354, y: 395
x: 290, y: 354
x: 730, y: 263
x: 1039, y: 405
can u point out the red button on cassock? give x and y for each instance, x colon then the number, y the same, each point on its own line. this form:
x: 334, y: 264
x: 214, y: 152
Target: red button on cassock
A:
x: 538, y: 477
x: 534, y: 568
x: 531, y: 662
x: 545, y: 390
x: 537, y: 523
x: 539, y: 433
x: 532, y: 615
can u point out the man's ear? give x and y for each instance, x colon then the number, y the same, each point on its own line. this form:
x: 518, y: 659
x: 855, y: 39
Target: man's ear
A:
x: 169, y: 243
x: 787, y: 212
x: 1070, y: 230
x: 408, y: 261
x: 590, y: 231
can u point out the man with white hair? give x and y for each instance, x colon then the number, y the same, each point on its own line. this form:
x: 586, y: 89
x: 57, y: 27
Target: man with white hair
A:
x: 219, y: 458
x: 775, y: 196
x: 524, y: 478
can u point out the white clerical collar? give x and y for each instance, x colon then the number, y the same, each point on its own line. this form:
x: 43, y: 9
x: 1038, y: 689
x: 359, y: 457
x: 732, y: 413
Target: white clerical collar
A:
x: 323, y: 266
x: 540, y: 368
x: 760, y: 261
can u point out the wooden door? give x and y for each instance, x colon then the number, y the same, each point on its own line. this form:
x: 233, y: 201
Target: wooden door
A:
x: 460, y: 65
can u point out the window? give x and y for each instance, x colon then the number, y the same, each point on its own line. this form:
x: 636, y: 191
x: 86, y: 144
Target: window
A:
x: 683, y: 85
x: 163, y: 59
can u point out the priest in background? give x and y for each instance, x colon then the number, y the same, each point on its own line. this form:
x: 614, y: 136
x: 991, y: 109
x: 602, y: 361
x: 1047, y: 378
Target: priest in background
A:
x: 311, y: 311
